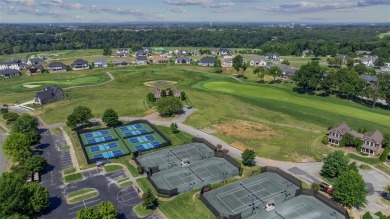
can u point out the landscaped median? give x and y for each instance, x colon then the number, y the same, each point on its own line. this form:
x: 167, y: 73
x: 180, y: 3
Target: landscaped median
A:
x: 70, y: 175
x: 112, y: 167
x: 81, y: 195
x: 123, y: 183
x: 141, y: 211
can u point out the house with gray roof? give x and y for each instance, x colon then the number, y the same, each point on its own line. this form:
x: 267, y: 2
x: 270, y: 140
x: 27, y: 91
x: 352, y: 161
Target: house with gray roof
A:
x: 225, y: 52
x: 34, y: 69
x: 141, y: 60
x: 336, y: 133
x: 257, y: 61
x: 140, y: 53
x: 207, y: 61
x: 56, y: 67
x: 273, y: 56
x: 369, y: 61
x: 36, y: 61
x: 49, y: 94
x: 372, y: 79
x: 80, y: 64
x: 182, y: 60
x: 9, y: 65
x: 8, y: 73
x: 121, y: 52
x: 287, y: 71
x: 100, y: 63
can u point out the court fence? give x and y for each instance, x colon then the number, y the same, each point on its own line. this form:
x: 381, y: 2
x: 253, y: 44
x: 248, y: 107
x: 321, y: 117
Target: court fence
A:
x: 327, y: 201
x: 169, y: 193
x: 212, y: 208
x: 283, y: 174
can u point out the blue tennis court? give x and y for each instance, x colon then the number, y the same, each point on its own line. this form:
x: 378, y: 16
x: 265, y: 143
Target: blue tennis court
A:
x: 131, y: 127
x: 97, y: 134
x: 142, y: 139
x: 112, y: 145
x: 136, y: 132
x: 94, y: 148
x: 109, y: 154
x: 148, y: 146
x: 101, y: 139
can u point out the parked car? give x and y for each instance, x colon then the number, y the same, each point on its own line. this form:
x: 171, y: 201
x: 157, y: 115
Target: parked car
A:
x: 5, y: 105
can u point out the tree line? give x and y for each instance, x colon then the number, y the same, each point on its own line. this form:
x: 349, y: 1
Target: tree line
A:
x: 321, y: 40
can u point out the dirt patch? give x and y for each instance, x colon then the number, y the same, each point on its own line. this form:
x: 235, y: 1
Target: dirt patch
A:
x: 239, y: 145
x: 31, y: 85
x: 149, y: 111
x: 246, y: 130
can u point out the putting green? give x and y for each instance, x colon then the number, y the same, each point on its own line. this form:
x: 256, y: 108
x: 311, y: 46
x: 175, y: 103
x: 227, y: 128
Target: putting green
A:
x: 267, y: 92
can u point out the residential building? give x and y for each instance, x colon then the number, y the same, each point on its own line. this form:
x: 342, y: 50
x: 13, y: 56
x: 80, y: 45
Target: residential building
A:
x: 49, y: 94
x: 8, y: 73
x: 345, y: 59
x: 100, y: 63
x: 372, y: 140
x: 140, y: 53
x: 36, y: 61
x: 363, y: 52
x: 214, y: 51
x: 56, y: 67
x: 225, y: 52
x: 182, y: 60
x: 372, y: 79
x: 9, y: 65
x: 159, y: 60
x: 227, y: 62
x: 141, y: 60
x: 35, y: 69
x: 148, y: 50
x: 120, y: 62
x: 175, y: 91
x: 369, y: 61
x: 273, y: 57
x: 207, y: 61
x: 80, y: 64
x: 288, y: 72
x: 257, y: 61
x: 121, y: 52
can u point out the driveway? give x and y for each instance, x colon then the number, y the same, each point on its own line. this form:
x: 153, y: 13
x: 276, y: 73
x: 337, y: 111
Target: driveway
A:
x: 3, y: 159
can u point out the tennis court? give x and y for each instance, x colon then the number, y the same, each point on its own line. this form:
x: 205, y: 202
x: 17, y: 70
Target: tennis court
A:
x: 306, y: 207
x: 140, y: 137
x: 195, y: 175
x: 195, y: 152
x: 96, y: 137
x: 106, y: 150
x: 256, y: 191
x: 96, y: 134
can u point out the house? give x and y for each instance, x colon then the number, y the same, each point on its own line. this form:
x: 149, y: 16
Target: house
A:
x: 100, y: 63
x: 372, y: 143
x: 20, y: 60
x: 363, y: 52
x: 140, y: 53
x: 336, y: 133
x: 56, y: 66
x: 196, y: 53
x: 257, y: 61
x: 35, y: 69
x: 227, y: 61
x: 369, y: 61
x: 7, y: 73
x: 273, y: 56
x: 225, y: 52
x: 49, y: 94
x: 160, y: 60
x: 80, y: 64
x: 287, y: 71
x: 207, y: 61
x: 214, y: 51
x: 345, y: 59
x: 9, y: 65
x: 141, y: 60
x: 306, y: 52
x: 182, y: 60
x: 372, y: 79
x: 157, y: 93
x: 175, y: 91
x: 36, y: 61
x: 148, y: 50
x: 120, y: 62
x: 372, y: 140
x: 121, y: 52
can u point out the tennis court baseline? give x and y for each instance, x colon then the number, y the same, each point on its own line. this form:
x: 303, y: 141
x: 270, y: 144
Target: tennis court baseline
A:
x: 109, y: 154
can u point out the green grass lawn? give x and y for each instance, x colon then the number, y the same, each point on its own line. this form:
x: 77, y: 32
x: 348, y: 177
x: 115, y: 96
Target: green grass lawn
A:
x: 80, y: 192
x: 83, y: 197
x: 382, y: 35
x: 176, y: 139
x: 145, y: 185
x: 73, y: 177
x: 142, y: 211
x: 185, y: 205
x: 368, y: 160
x: 69, y: 171
x: 111, y: 168
x: 125, y: 160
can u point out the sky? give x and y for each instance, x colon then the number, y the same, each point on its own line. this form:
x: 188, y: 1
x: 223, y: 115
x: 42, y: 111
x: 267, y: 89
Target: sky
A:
x: 111, y: 11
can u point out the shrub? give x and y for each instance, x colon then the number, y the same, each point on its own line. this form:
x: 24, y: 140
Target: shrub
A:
x: 240, y: 171
x: 367, y: 215
x: 140, y: 169
x: 151, y: 98
x: 315, y: 186
x: 359, y: 145
x: 384, y: 154
x: 325, y: 140
x: 4, y: 110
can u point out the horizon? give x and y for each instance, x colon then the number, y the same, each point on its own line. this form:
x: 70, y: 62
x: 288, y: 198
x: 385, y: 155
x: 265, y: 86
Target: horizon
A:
x: 240, y: 11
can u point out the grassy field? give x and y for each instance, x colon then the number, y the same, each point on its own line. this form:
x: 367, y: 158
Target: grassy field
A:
x: 145, y: 185
x: 112, y: 168
x: 382, y: 35
x: 73, y: 177
x: 69, y: 171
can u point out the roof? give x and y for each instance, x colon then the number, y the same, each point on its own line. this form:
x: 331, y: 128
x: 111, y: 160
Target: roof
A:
x: 119, y: 60
x: 342, y: 128
x: 141, y: 58
x: 181, y: 58
x: 175, y: 90
x: 370, y: 58
x: 257, y: 58
x: 56, y: 64
x: 38, y: 66
x: 227, y: 60
x: 100, y: 61
x: 37, y: 60
x: 9, y: 63
x: 140, y: 52
x: 207, y: 59
x: 156, y: 90
x: 369, y: 78
x: 356, y: 134
x: 9, y: 71
x: 273, y: 54
x: 49, y: 93
x: 376, y: 135
x: 225, y: 50
x: 80, y: 62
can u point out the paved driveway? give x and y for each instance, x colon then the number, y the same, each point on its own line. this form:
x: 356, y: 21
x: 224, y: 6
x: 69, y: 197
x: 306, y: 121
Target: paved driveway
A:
x: 3, y: 159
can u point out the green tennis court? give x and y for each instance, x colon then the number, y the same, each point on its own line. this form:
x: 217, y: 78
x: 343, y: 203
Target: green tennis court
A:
x: 106, y: 150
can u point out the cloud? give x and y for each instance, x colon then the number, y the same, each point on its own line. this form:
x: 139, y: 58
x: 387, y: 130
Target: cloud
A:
x: 372, y: 3
x: 177, y: 10
x: 221, y: 5
x: 203, y: 3
x: 61, y: 4
x: 21, y: 2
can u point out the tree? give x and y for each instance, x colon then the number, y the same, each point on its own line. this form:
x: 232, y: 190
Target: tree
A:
x: 315, y: 186
x: 10, y: 117
x: 107, y: 51
x: 275, y: 71
x: 374, y: 93
x: 360, y: 68
x: 148, y: 199
x: 237, y: 62
x: 69, y: 68
x: 88, y: 213
x: 350, y: 189
x: 248, y: 156
x: 35, y: 163
x: 286, y: 62
x: 309, y: 76
x: 244, y: 67
x: 136, y: 47
x: 174, y: 128
x: 261, y: 72
x: 17, y: 146
x: 4, y: 110
x: 183, y: 96
x: 349, y: 140
x: 12, y: 194
x: 110, y: 117
x: 151, y: 98
x: 384, y: 154
x: 107, y: 210
x: 38, y: 198
x: 27, y: 125
x: 334, y: 164
x: 80, y: 115
x: 169, y: 106
x: 386, y: 139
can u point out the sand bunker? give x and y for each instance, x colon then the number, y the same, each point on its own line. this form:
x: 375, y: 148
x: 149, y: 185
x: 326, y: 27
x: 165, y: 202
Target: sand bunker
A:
x: 31, y: 85
x: 160, y: 83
